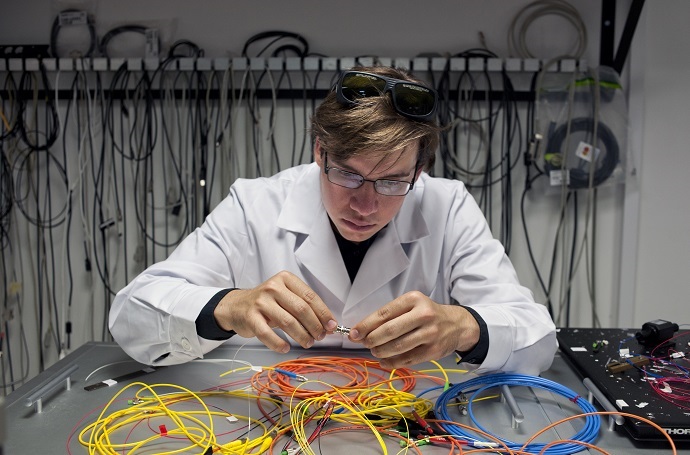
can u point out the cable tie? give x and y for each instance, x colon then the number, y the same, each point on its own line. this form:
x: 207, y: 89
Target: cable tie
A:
x: 106, y: 224
x: 163, y: 430
x: 575, y: 398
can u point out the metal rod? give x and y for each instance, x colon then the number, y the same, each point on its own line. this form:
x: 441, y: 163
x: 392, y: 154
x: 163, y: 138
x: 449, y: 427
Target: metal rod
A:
x: 518, y: 416
x: 594, y: 392
x: 44, y: 389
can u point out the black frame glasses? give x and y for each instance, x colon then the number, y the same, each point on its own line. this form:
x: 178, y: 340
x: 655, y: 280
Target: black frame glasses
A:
x: 353, y: 180
x: 413, y: 100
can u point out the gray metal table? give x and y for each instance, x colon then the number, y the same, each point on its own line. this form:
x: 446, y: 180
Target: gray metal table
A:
x: 46, y: 426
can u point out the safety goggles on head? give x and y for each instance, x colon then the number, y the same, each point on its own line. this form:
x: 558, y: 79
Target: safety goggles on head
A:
x: 410, y: 99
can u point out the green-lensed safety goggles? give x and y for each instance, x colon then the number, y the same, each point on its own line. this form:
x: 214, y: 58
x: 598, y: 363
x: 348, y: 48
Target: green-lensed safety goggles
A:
x: 410, y: 99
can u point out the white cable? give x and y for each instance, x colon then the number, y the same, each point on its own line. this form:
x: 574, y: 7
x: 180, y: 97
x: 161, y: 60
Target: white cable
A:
x: 63, y: 307
x: 517, y: 45
x: 274, y: 109
x: 223, y: 111
x: 237, y: 104
x: 107, y: 365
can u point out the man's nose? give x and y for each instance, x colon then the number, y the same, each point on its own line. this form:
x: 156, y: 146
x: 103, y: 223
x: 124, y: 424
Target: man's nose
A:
x: 365, y: 199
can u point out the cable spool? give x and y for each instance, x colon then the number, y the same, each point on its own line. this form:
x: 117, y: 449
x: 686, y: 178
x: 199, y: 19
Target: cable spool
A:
x: 105, y: 40
x: 72, y: 17
x: 605, y: 162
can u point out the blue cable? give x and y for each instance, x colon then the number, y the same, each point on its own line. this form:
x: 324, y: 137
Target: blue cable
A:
x: 588, y: 434
x: 423, y: 392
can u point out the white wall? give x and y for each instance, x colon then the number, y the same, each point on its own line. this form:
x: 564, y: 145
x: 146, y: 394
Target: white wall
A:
x: 664, y: 248
x: 644, y: 267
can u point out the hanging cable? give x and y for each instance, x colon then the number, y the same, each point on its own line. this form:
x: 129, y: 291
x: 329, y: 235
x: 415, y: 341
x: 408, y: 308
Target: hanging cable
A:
x: 517, y: 31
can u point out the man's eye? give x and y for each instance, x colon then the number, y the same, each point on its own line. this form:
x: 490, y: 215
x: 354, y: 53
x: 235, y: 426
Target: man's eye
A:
x: 350, y: 175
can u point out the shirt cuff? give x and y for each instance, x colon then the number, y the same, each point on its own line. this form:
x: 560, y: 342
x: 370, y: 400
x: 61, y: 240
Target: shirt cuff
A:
x: 206, y: 325
x: 477, y: 354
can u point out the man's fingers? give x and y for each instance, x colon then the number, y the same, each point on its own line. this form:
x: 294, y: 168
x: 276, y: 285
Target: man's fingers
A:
x: 385, y: 321
x: 272, y: 341
x: 283, y: 301
x: 407, y: 359
x: 308, y: 308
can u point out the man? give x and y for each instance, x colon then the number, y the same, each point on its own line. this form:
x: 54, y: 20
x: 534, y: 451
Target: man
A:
x: 361, y: 238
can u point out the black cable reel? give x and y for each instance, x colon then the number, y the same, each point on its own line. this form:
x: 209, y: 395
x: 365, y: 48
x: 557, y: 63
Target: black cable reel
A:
x: 584, y: 140
x: 599, y: 160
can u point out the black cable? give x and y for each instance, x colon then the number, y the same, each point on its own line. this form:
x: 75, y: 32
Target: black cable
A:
x: 180, y: 206
x: 194, y: 50
x: 605, y: 165
x: 6, y: 198
x: 200, y: 136
x: 284, y: 74
x: 105, y: 40
x: 8, y: 128
x: 52, y: 122
x: 313, y: 107
x: 443, y: 116
x: 253, y: 108
x: 213, y: 84
x: 546, y: 290
x: 276, y: 36
x: 305, y: 119
x: 571, y: 264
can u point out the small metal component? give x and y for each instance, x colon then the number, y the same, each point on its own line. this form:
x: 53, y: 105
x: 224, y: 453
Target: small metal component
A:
x: 342, y: 329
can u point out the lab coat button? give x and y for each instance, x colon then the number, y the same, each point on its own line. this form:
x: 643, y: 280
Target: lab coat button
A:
x: 186, y: 345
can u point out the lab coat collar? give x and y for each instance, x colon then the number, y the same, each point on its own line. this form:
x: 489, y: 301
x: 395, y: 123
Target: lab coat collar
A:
x: 304, y: 213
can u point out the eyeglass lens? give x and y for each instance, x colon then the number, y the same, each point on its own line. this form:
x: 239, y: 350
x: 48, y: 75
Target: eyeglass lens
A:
x: 382, y: 186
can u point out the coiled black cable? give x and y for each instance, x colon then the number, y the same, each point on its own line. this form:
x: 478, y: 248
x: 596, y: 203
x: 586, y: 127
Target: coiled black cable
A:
x: 276, y: 36
x: 105, y: 40
x: 580, y: 177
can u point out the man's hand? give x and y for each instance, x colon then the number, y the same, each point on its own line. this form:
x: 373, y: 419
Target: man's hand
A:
x: 282, y: 301
x: 413, y: 329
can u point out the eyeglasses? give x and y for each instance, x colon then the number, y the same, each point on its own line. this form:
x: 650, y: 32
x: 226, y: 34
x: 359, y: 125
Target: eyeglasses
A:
x: 410, y: 99
x: 352, y: 180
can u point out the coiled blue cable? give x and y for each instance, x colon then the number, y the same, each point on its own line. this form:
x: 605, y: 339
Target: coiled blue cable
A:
x: 588, y: 433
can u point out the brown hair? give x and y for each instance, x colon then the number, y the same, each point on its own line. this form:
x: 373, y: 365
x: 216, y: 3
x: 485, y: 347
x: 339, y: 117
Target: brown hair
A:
x: 373, y: 125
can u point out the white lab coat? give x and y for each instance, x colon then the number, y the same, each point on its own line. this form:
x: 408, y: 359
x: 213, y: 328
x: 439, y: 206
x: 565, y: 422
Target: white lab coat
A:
x: 439, y: 243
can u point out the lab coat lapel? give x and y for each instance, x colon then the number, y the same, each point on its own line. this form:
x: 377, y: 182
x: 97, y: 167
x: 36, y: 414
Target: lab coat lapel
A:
x: 386, y: 258
x: 304, y: 213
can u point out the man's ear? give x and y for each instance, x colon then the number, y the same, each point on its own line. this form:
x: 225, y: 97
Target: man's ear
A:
x: 317, y: 151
